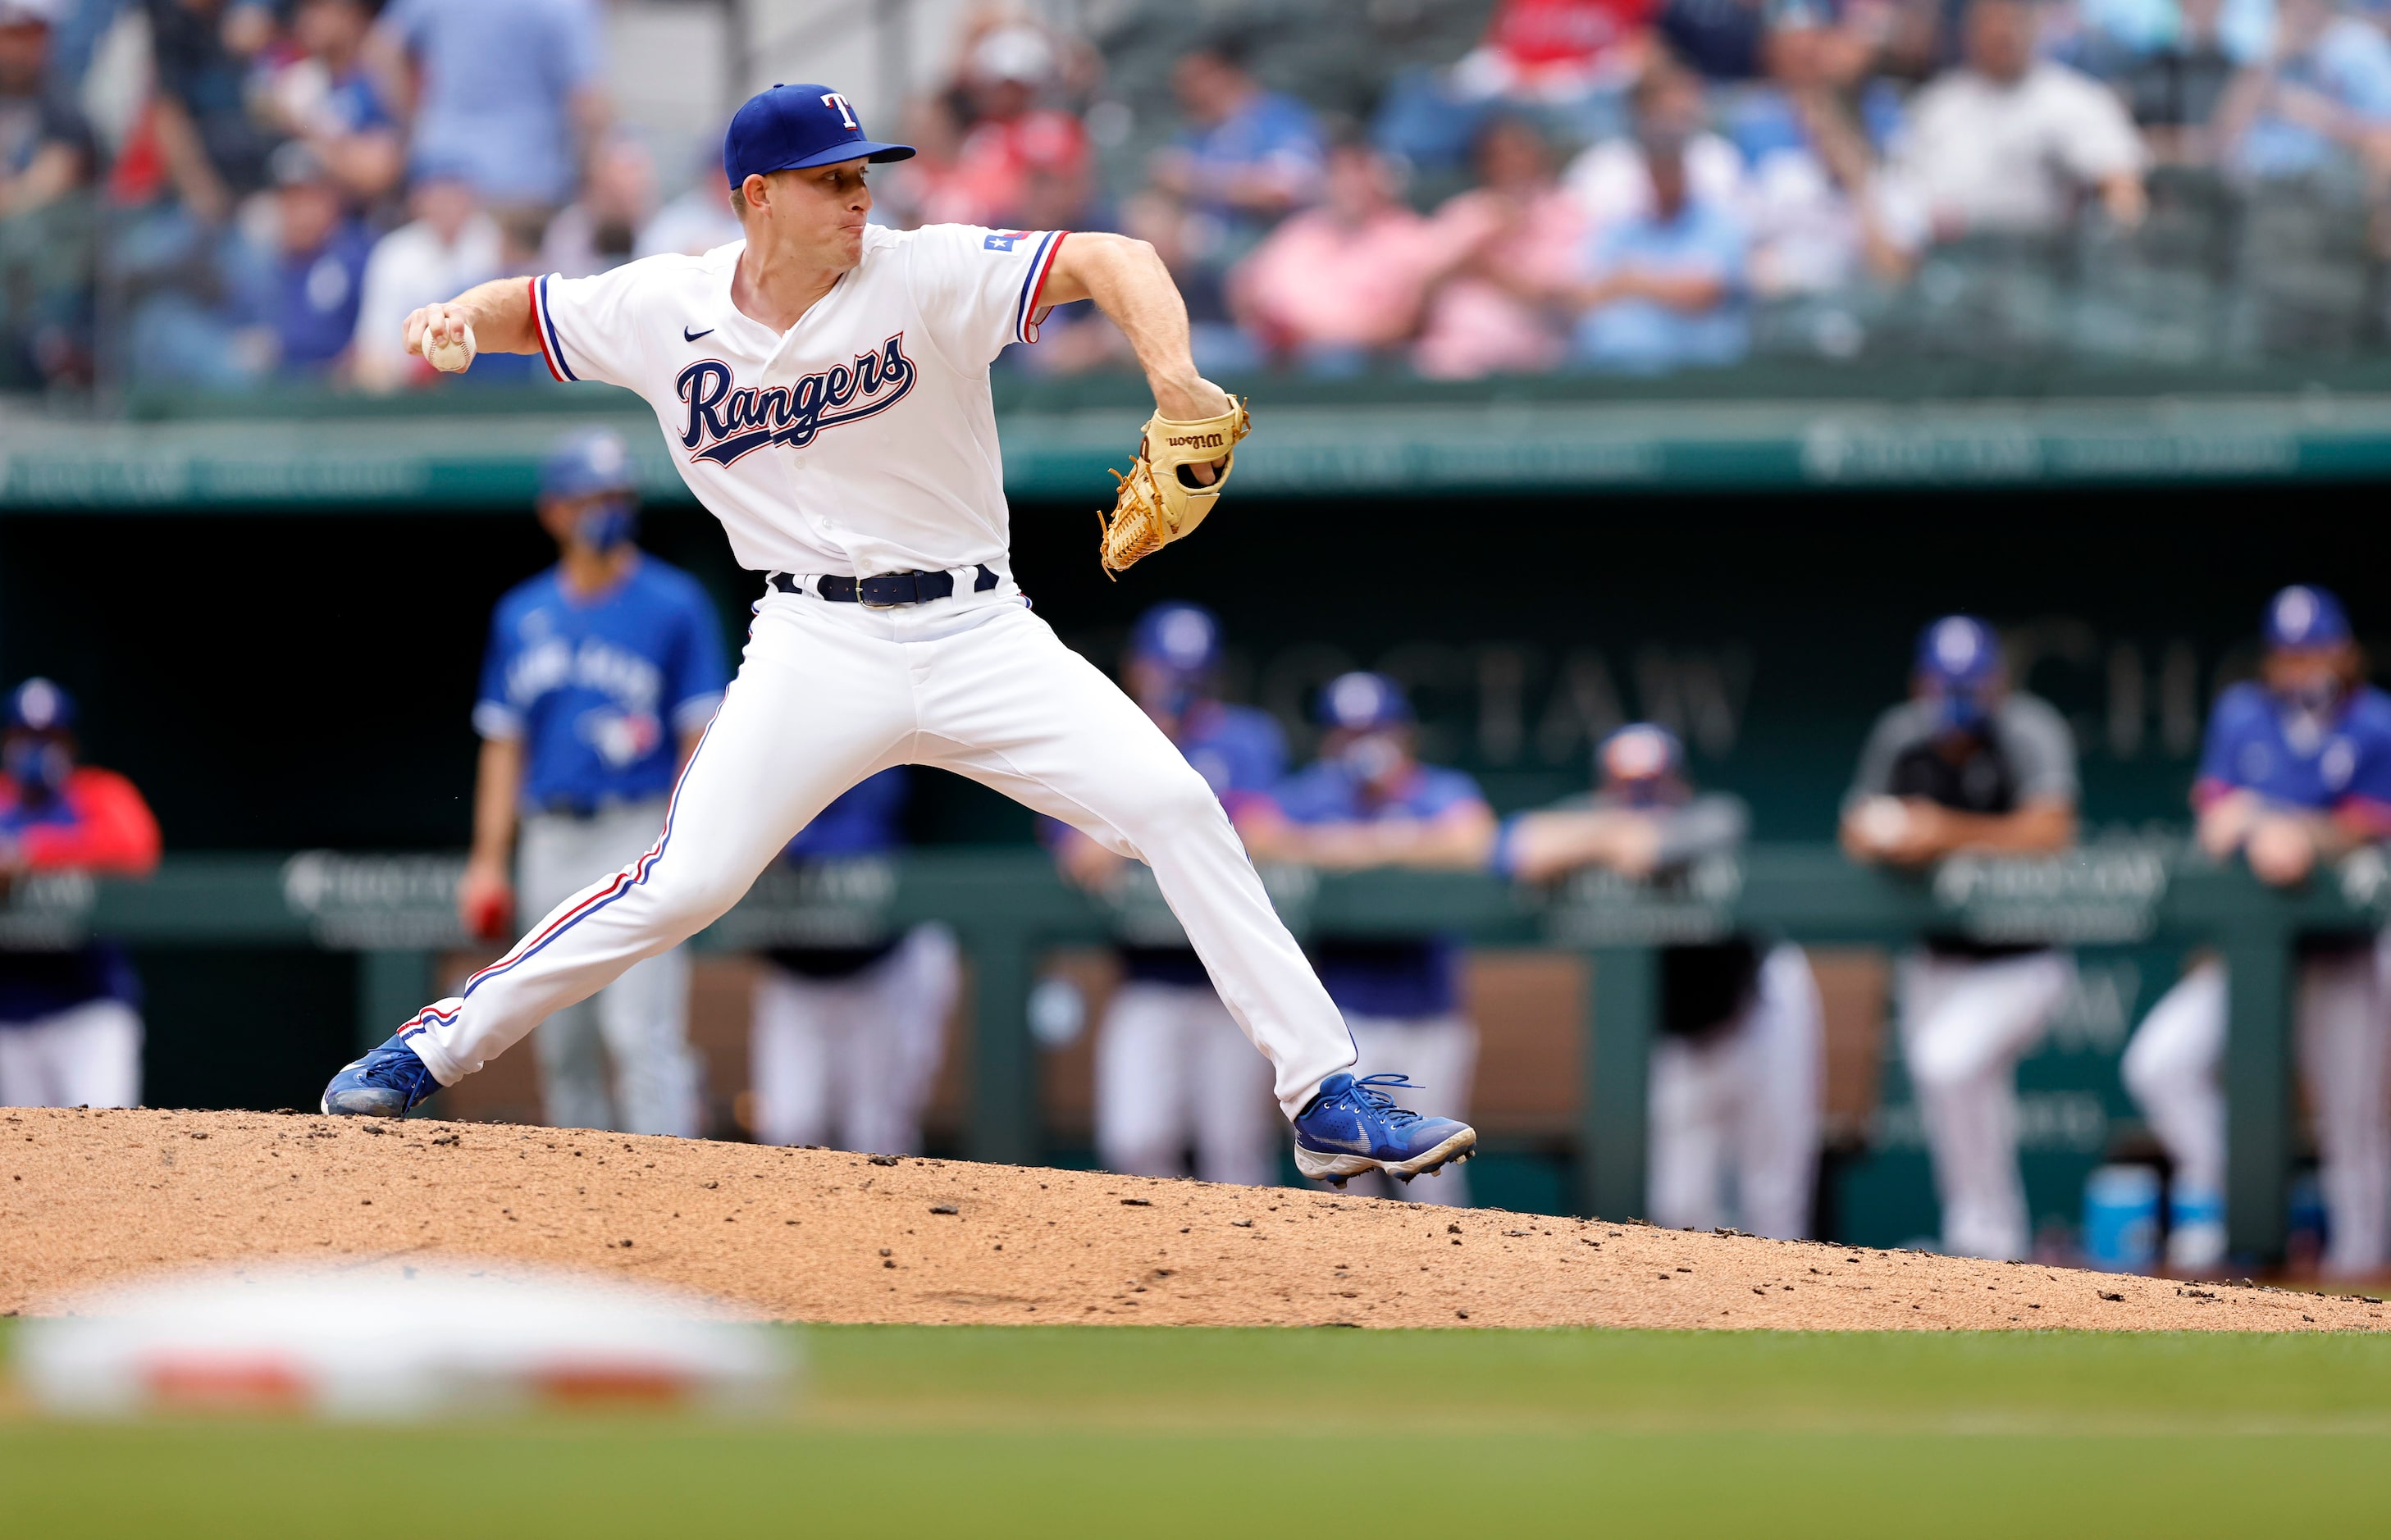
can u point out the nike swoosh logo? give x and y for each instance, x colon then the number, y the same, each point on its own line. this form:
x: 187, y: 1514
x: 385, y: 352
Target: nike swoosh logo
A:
x: 689, y: 335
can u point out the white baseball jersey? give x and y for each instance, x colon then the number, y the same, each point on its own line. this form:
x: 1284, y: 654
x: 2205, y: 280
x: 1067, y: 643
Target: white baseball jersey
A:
x: 862, y: 440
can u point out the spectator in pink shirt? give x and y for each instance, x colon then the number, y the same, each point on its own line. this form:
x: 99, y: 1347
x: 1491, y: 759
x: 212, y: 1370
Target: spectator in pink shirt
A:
x: 1340, y: 287
x: 1523, y: 236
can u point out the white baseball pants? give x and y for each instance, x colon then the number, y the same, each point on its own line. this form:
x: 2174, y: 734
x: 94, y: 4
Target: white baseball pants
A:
x: 1964, y: 1026
x: 1744, y: 1099
x: 830, y: 693
x: 87, y: 1056
x: 642, y: 1017
x: 1171, y: 1070
x: 2172, y: 1068
x: 1439, y: 1053
x: 850, y: 1062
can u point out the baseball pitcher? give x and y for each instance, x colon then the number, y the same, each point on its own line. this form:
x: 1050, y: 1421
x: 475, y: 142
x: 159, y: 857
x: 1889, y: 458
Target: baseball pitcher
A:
x: 822, y: 386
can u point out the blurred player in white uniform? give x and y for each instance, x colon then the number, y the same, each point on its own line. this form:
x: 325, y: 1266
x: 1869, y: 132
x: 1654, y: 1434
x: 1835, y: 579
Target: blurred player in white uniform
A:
x: 1738, y: 1068
x: 845, y: 1040
x: 2296, y: 771
x: 600, y: 673
x: 1968, y: 764
x: 1369, y: 802
x: 823, y: 387
x: 1172, y: 1068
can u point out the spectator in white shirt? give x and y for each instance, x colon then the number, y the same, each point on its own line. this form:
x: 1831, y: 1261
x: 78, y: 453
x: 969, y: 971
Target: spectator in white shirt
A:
x: 1612, y: 179
x: 599, y: 229
x: 451, y: 246
x: 2007, y: 143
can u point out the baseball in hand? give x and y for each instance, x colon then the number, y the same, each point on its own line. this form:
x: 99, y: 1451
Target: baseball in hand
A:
x: 451, y: 354
x: 1883, y: 822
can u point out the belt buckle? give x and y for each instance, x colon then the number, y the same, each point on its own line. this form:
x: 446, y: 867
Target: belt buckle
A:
x: 898, y: 604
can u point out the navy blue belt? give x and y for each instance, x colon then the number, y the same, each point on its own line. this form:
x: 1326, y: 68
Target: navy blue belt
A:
x: 888, y: 590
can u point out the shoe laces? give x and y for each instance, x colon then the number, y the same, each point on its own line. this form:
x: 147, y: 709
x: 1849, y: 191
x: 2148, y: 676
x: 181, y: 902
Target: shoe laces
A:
x: 1367, y: 1090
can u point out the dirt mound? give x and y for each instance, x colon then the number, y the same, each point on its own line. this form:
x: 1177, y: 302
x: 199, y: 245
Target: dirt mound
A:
x: 822, y: 1234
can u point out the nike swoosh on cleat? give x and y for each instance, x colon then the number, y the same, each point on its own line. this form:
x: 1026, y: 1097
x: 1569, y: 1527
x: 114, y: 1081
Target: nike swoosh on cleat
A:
x: 689, y: 335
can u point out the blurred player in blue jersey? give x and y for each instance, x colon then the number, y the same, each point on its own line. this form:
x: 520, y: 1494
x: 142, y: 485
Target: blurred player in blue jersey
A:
x: 1369, y: 802
x: 845, y: 1040
x: 1171, y: 1067
x: 69, y: 1017
x: 2296, y: 771
x: 1738, y: 1068
x: 1966, y: 763
x: 601, y: 673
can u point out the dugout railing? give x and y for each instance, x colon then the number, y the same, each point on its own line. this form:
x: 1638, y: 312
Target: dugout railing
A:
x: 1009, y: 908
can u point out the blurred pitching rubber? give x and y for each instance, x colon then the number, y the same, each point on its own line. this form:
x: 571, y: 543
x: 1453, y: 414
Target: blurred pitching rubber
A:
x: 451, y: 358
x: 394, y: 1342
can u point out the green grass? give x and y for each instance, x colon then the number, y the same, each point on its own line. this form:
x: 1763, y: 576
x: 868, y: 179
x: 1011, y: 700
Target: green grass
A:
x: 968, y: 1433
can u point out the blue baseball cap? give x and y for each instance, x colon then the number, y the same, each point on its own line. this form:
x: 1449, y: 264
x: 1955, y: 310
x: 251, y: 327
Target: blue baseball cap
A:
x: 1640, y: 751
x: 790, y: 127
x: 2304, y: 616
x: 596, y: 461
x: 1183, y: 637
x: 1958, y: 654
x: 1359, y: 701
x: 39, y: 706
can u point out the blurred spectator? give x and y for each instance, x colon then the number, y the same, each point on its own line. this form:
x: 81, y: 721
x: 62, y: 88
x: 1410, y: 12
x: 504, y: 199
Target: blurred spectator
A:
x: 601, y: 229
x: 46, y: 159
x: 2174, y: 87
x: 931, y: 187
x: 697, y: 221
x: 1612, y: 179
x: 2296, y: 772
x: 213, y: 148
x: 1248, y: 156
x: 302, y: 295
x: 2323, y: 94
x: 1738, y: 1069
x: 504, y: 91
x: 1220, y: 347
x: 1665, y: 289
x: 1564, y: 60
x: 1012, y: 140
x: 451, y: 246
x: 1718, y: 38
x: 319, y: 91
x: 1524, y: 238
x: 1338, y: 287
x: 2005, y: 143
x: 1969, y: 764
x: 1368, y: 802
x: 1810, y: 155
x: 845, y: 1040
x: 1174, y: 1068
x: 69, y: 1019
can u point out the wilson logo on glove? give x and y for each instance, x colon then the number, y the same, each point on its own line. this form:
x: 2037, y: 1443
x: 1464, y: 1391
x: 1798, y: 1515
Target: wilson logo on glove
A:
x: 1159, y: 501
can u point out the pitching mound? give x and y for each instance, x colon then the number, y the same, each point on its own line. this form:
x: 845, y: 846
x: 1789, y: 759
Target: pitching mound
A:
x: 826, y: 1236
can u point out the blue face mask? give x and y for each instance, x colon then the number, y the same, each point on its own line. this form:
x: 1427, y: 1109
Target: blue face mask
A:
x: 39, y: 765
x: 1959, y: 711
x: 1372, y: 757
x: 608, y: 525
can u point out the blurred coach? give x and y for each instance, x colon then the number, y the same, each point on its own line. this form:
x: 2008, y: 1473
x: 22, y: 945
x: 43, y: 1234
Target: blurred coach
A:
x: 2296, y: 771
x: 1368, y: 802
x: 602, y: 675
x: 1173, y: 1067
x: 1968, y: 764
x: 69, y: 1019
x: 1738, y: 1071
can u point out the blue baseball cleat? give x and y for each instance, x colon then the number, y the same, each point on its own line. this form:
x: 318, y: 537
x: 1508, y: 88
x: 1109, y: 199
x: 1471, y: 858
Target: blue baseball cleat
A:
x: 384, y: 1084
x: 1353, y: 1127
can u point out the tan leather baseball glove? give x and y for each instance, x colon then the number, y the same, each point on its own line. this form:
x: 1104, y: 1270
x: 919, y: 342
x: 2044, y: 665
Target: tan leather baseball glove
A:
x: 1159, y: 500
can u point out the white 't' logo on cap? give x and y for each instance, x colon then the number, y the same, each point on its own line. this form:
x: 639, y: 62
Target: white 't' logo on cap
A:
x: 845, y: 112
